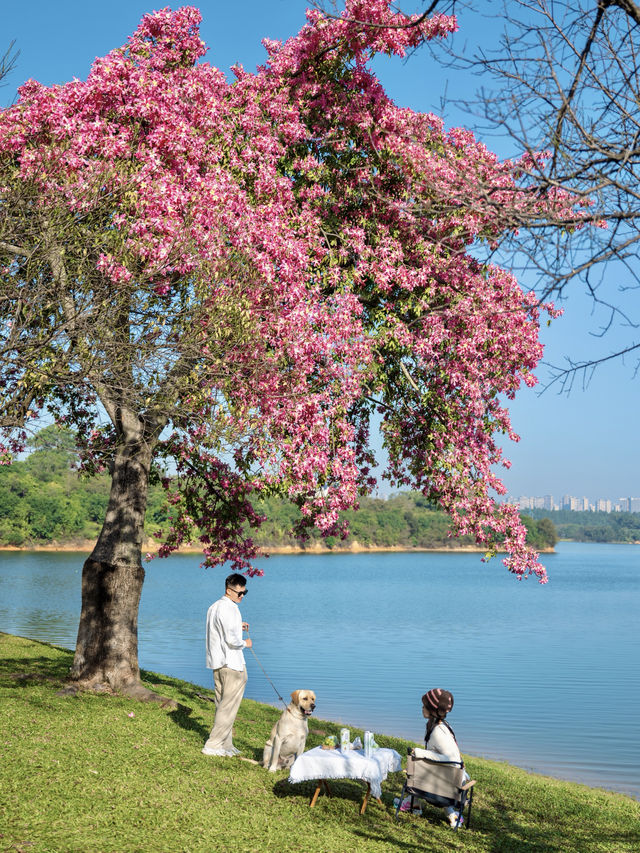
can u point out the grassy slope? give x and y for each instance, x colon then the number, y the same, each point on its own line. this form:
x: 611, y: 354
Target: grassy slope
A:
x: 81, y: 774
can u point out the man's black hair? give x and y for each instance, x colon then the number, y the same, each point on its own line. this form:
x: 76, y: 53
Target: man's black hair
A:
x: 235, y: 580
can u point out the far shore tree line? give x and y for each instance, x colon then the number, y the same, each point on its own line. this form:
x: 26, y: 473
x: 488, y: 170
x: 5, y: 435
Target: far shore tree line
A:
x: 44, y: 499
x: 614, y: 527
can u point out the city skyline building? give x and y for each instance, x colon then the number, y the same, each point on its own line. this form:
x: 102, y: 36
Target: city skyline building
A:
x: 575, y: 504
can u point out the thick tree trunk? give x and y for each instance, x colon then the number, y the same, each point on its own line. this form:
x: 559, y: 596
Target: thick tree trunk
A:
x: 107, y: 646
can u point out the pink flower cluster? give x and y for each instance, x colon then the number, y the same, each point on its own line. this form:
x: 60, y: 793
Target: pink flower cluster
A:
x: 321, y: 238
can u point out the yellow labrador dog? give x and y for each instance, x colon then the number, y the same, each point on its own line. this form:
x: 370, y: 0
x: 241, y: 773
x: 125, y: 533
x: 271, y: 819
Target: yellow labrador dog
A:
x: 289, y: 735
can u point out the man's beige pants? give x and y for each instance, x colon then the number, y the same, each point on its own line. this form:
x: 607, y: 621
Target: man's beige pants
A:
x: 229, y: 690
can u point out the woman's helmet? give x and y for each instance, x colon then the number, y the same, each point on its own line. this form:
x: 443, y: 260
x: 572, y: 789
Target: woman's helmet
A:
x: 438, y: 702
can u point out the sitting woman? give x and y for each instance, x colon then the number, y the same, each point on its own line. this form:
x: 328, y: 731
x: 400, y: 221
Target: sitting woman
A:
x: 439, y: 740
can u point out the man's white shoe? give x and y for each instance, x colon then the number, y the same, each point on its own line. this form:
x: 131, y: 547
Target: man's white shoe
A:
x: 222, y: 752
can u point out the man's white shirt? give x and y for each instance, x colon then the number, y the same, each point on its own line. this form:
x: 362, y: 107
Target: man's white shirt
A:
x: 224, y: 635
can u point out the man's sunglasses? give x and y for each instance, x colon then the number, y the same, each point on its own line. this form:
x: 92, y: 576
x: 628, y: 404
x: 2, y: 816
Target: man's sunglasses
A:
x: 240, y: 592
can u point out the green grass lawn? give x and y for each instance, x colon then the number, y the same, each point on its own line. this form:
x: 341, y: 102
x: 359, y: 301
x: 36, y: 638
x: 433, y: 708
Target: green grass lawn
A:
x: 106, y: 774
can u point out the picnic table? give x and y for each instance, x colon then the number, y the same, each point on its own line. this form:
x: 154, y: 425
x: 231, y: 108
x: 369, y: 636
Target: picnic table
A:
x: 320, y: 765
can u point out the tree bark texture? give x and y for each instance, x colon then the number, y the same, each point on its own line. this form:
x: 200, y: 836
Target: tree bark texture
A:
x: 112, y: 577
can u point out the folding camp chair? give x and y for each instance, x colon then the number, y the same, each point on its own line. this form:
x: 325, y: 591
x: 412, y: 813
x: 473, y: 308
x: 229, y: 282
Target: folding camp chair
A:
x: 440, y: 783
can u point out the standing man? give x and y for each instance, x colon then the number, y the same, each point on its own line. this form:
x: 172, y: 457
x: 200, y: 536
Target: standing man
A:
x: 225, y: 658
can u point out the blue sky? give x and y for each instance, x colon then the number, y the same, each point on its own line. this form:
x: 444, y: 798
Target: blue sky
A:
x: 581, y: 444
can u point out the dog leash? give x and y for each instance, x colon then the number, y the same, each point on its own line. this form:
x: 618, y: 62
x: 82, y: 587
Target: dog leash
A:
x: 267, y: 677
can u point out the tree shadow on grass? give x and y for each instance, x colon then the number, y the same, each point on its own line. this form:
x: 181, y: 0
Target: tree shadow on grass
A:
x: 186, y: 690
x: 18, y: 672
x: 427, y: 833
x: 186, y: 693
x: 341, y: 789
x: 389, y: 834
x: 376, y: 825
x: 184, y: 720
x: 497, y: 831
x: 507, y: 834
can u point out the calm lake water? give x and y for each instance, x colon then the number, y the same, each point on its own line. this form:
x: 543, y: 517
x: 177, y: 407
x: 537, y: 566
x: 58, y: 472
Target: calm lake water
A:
x: 543, y: 677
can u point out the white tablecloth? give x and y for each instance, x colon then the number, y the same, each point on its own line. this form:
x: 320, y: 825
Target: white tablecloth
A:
x: 322, y: 763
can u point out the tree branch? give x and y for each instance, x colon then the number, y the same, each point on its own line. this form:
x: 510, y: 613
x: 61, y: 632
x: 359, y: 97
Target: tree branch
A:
x: 18, y: 251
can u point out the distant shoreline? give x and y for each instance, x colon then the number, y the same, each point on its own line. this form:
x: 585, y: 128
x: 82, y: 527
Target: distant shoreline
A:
x: 86, y: 546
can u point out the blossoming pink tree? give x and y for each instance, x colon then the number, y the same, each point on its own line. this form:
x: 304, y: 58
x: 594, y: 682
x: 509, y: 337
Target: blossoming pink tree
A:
x: 227, y: 280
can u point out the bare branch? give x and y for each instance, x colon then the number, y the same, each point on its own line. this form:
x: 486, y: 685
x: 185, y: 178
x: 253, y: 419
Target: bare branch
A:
x: 8, y: 60
x: 566, y: 376
x: 566, y: 79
